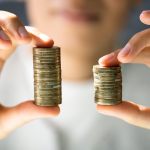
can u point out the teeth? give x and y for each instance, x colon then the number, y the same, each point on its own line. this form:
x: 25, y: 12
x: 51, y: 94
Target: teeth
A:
x: 108, y: 85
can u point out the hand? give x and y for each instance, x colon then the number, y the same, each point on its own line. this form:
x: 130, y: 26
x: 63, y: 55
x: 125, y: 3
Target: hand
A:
x: 137, y: 50
x: 13, y: 33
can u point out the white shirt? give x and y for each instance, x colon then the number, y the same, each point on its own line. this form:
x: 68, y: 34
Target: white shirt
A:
x: 79, y: 126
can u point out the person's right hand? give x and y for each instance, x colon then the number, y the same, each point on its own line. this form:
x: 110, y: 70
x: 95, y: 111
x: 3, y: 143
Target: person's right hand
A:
x: 12, y: 34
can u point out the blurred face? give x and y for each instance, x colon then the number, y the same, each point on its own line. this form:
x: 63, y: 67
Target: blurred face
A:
x: 79, y: 27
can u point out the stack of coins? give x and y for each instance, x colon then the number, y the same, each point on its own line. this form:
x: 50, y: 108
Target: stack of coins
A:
x: 108, y: 85
x: 47, y: 76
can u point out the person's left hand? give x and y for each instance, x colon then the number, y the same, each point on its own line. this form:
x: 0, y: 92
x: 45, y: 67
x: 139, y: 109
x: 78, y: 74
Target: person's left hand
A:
x: 136, y: 51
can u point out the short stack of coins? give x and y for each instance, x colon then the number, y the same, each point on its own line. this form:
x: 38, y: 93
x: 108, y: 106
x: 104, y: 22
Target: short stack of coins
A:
x: 108, y: 85
x: 47, y: 76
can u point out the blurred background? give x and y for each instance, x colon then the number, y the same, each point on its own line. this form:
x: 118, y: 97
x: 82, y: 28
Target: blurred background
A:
x: 132, y: 27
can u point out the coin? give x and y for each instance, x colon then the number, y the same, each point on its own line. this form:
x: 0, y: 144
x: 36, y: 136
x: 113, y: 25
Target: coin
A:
x: 48, y: 72
x: 97, y: 89
x: 108, y: 74
x: 47, y: 86
x: 44, y: 95
x: 54, y: 48
x: 107, y: 85
x: 48, y: 91
x: 45, y: 61
x: 99, y: 68
x: 47, y: 76
x: 47, y: 83
x: 111, y: 80
x: 47, y: 103
x: 47, y: 58
x: 107, y: 101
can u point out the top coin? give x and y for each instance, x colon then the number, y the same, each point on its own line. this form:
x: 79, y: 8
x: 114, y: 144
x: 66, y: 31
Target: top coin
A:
x: 100, y: 68
x: 46, y: 49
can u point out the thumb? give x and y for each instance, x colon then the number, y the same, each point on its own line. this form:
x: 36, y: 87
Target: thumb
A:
x: 132, y: 113
x: 13, y: 117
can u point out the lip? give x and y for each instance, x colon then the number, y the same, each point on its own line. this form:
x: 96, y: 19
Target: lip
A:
x: 78, y: 16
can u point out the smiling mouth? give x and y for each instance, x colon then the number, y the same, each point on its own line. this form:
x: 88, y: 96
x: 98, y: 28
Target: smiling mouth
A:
x: 77, y: 16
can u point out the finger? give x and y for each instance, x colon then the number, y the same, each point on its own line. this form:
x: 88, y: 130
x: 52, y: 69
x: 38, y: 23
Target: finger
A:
x: 145, y: 17
x: 138, y: 42
x: 132, y: 113
x: 39, y: 39
x: 110, y: 59
x: 11, y: 118
x: 5, y: 41
x: 12, y: 24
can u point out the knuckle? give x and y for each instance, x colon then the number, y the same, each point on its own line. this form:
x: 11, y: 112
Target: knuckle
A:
x: 4, y: 15
x: 7, y: 18
x: 12, y: 17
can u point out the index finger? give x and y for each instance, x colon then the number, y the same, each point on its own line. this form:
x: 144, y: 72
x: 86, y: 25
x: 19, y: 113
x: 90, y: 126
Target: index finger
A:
x: 110, y: 59
x: 38, y: 38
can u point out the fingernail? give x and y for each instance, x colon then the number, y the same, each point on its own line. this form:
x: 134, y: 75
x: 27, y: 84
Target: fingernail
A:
x: 125, y: 51
x: 106, y: 113
x: 4, y: 36
x: 106, y: 57
x: 44, y: 37
x: 146, y: 11
x: 23, y: 32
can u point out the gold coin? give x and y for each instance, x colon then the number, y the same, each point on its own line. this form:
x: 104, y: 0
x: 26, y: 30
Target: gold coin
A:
x: 47, y: 86
x: 107, y: 78
x: 46, y: 75
x: 107, y: 90
x: 47, y: 67
x: 47, y: 98
x: 46, y: 95
x: 45, y: 61
x: 98, y: 67
x: 47, y: 70
x: 46, y: 64
x: 108, y: 102
x: 48, y: 83
x: 46, y: 58
x: 47, y: 89
x: 54, y: 90
x: 111, y: 80
x: 40, y: 103
x: 45, y: 48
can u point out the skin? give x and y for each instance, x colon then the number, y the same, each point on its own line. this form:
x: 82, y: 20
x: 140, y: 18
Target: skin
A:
x: 83, y: 43
x: 140, y: 53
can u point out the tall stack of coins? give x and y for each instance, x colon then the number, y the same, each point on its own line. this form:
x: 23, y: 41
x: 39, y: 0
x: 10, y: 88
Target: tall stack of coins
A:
x: 47, y: 76
x: 108, y: 85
